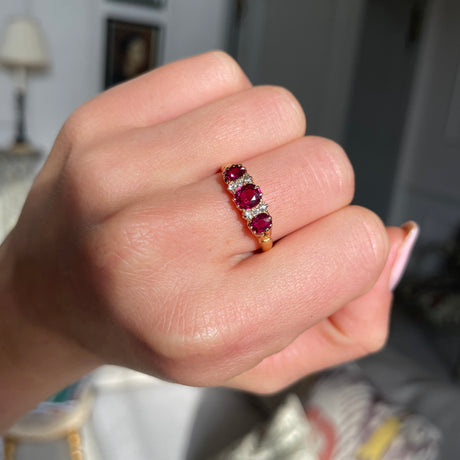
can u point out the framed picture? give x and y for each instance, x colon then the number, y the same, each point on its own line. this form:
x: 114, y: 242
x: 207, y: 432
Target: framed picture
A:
x: 131, y: 49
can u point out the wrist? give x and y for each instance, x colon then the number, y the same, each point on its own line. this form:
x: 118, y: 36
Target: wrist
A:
x: 35, y: 361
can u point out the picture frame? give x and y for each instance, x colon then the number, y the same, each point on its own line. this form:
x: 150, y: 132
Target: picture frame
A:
x: 132, y: 48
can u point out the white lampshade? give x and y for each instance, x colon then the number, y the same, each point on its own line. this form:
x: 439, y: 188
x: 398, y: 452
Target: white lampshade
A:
x: 23, y: 44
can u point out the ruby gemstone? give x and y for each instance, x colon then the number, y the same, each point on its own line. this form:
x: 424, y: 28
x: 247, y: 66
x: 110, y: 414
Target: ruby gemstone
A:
x: 234, y: 172
x: 247, y: 196
x: 261, y: 223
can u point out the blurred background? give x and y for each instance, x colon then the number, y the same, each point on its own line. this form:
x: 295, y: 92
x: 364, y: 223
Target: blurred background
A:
x: 381, y: 77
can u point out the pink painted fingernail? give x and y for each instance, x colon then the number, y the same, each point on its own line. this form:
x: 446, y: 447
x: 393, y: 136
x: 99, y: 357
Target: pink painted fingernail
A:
x: 404, y: 252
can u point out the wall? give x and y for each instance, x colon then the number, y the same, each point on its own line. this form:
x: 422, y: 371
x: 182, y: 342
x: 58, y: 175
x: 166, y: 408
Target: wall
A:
x: 427, y: 187
x: 406, y: 165
x: 309, y: 47
x: 75, y: 32
x: 381, y: 88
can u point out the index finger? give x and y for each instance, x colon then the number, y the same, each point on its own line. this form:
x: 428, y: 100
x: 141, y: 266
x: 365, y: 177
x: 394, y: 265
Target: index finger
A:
x: 160, y: 95
x: 155, y: 97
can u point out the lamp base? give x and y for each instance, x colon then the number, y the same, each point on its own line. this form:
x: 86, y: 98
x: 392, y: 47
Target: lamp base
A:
x: 22, y: 148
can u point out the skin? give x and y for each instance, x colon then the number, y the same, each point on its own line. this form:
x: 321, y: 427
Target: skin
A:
x: 129, y: 250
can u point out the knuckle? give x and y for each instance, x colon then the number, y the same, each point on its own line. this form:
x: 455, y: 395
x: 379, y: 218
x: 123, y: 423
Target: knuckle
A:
x: 80, y: 171
x: 76, y: 125
x: 280, y: 104
x: 340, y: 165
x: 226, y: 70
x: 336, y: 170
x: 85, y: 186
x: 370, y: 238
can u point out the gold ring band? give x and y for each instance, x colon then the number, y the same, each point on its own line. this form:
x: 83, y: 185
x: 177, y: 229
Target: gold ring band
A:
x: 247, y: 197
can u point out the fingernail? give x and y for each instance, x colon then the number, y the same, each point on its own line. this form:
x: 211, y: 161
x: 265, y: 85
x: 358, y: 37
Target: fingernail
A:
x: 404, y: 252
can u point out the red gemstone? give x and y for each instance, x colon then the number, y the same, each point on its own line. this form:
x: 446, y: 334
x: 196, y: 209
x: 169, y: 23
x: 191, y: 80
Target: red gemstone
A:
x: 234, y: 172
x: 247, y: 196
x: 261, y: 223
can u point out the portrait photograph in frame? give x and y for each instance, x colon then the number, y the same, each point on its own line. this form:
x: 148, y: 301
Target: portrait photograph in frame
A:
x: 132, y: 49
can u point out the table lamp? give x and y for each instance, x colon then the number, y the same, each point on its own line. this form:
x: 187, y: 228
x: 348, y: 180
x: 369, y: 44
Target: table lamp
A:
x: 23, y: 48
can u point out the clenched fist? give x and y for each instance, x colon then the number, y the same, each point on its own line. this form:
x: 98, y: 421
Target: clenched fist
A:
x: 130, y: 251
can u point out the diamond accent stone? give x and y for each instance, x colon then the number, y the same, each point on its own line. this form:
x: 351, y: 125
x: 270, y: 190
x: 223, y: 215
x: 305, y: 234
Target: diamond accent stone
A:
x: 232, y: 186
x: 248, y: 214
x: 243, y: 180
x: 262, y: 207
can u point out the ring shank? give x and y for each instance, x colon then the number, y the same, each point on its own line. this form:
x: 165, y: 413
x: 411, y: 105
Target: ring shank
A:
x: 266, y: 245
x: 265, y: 241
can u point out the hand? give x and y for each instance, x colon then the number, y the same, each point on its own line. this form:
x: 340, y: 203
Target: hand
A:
x: 129, y: 250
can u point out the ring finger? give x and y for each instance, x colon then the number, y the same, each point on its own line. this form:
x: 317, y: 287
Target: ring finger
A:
x: 301, y: 182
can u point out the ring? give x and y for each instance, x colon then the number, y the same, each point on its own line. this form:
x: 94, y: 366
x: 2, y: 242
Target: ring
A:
x: 248, y: 199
